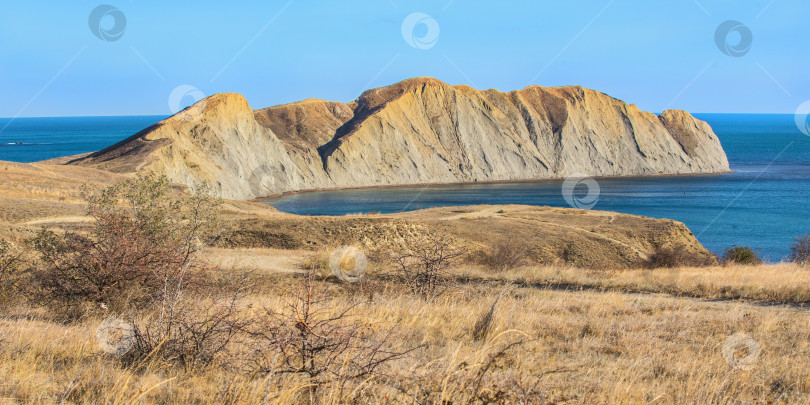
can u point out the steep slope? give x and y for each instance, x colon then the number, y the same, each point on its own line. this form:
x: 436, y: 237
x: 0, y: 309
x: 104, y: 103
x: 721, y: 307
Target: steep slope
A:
x: 417, y: 131
x: 306, y: 124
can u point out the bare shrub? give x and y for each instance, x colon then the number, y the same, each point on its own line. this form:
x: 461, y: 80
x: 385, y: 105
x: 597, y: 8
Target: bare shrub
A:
x: 800, y: 250
x: 741, y: 255
x: 142, y: 236
x: 504, y: 255
x: 310, y: 338
x: 193, y: 326
x: 11, y: 269
x: 422, y: 261
x: 317, y: 263
x: 675, y: 257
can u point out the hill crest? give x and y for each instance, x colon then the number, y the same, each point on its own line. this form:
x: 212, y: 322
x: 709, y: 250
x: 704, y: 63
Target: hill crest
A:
x: 417, y: 131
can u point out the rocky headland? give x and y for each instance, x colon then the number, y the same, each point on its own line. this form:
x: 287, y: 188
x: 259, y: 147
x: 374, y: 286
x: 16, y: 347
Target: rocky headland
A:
x: 418, y: 131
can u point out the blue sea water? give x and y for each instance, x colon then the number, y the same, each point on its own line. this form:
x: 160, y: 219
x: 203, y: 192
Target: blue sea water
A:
x: 765, y: 204
x: 51, y: 137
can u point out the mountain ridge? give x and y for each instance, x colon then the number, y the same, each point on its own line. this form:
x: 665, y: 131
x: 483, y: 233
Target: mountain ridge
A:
x: 417, y: 131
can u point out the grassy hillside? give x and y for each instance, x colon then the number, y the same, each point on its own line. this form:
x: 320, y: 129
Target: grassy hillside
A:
x: 111, y: 296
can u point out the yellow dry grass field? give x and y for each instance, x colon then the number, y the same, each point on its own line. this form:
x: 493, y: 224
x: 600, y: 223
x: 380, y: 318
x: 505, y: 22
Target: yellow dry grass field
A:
x: 575, y: 320
x: 586, y: 346
x: 783, y: 283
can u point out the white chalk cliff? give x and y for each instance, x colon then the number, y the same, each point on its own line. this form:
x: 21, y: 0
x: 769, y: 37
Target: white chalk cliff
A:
x: 417, y: 131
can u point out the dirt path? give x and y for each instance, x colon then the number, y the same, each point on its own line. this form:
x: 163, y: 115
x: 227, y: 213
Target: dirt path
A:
x: 263, y: 260
x: 59, y: 220
x: 641, y: 254
x: 570, y: 287
x: 483, y: 213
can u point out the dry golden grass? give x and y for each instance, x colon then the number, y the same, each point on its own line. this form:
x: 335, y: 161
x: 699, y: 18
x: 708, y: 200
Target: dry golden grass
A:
x: 55, y: 181
x: 578, y: 346
x: 586, y: 336
x: 52, y: 193
x: 590, y: 239
x: 256, y: 260
x: 780, y: 283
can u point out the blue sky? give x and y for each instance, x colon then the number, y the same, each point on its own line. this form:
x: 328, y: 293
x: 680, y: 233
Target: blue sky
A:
x: 656, y: 54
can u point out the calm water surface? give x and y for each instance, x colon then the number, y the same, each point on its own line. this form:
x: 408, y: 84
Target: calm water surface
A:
x: 52, y: 137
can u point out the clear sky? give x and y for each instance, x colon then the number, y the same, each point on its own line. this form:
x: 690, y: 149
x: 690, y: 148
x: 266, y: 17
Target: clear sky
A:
x: 657, y: 54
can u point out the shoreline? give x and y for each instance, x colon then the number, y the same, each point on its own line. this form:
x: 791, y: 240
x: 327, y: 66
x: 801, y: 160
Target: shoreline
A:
x: 387, y: 186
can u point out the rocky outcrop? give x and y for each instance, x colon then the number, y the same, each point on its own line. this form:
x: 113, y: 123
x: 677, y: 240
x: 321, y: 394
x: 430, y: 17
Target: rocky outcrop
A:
x: 416, y: 131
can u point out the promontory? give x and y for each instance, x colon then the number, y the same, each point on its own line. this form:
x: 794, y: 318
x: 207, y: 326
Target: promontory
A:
x: 418, y: 131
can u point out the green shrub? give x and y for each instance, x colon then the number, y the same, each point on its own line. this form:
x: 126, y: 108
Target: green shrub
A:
x: 741, y: 255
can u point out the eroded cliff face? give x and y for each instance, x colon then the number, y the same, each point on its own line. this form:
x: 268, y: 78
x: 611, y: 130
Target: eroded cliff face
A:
x: 416, y: 131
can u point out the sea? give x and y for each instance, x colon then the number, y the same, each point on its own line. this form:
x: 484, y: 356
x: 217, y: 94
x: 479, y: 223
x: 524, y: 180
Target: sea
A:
x: 764, y: 204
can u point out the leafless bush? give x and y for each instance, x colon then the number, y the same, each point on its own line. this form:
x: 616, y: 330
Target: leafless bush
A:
x: 142, y: 236
x: 11, y: 268
x: 423, y: 261
x: 504, y: 255
x: 317, y: 263
x: 308, y: 337
x: 675, y: 257
x: 193, y: 326
x: 800, y: 250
